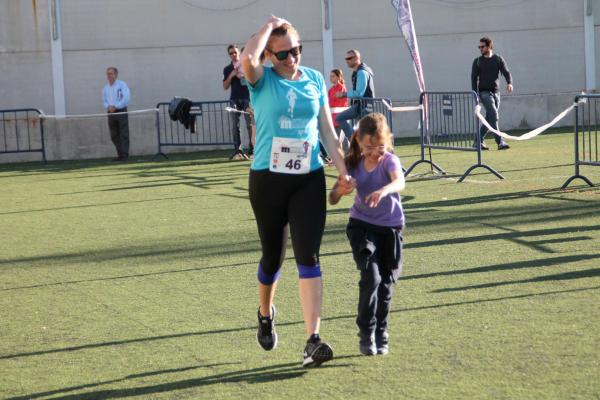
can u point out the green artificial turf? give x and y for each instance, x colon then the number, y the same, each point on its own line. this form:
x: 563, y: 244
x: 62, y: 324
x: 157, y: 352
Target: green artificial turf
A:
x: 139, y: 279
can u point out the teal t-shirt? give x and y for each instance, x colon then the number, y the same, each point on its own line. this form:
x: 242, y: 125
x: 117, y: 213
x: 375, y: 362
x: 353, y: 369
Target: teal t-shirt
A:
x: 287, y: 109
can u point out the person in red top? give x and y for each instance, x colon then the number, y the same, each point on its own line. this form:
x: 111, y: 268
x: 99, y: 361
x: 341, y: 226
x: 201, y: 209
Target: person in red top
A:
x: 336, y: 78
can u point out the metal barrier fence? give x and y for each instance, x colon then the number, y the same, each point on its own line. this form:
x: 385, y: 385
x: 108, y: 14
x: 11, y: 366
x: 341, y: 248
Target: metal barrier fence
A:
x: 22, y: 131
x: 449, y: 123
x: 214, y: 126
x: 214, y: 123
x: 374, y: 104
x: 587, y: 131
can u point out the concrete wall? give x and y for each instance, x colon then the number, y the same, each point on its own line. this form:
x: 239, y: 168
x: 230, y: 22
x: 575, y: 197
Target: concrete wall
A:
x: 184, y: 57
x: 179, y: 48
x: 25, y: 63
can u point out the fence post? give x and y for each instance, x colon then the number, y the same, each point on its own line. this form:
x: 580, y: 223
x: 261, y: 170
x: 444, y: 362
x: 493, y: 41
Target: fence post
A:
x: 583, y: 103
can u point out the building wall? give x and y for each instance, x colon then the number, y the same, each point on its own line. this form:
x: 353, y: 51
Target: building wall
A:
x: 25, y: 63
x: 163, y: 49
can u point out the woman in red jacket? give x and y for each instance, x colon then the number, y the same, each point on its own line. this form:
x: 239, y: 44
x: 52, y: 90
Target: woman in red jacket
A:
x: 337, y: 85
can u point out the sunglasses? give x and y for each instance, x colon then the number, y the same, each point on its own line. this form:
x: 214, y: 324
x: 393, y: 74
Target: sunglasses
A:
x: 481, y: 47
x: 349, y: 58
x: 283, y: 55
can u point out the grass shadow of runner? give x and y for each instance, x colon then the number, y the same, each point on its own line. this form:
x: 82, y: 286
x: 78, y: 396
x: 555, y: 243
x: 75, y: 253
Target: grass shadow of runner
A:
x: 270, y: 373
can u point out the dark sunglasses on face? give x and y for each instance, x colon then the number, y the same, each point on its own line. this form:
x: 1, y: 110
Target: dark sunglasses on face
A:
x: 283, y: 55
x: 350, y: 58
x: 481, y: 47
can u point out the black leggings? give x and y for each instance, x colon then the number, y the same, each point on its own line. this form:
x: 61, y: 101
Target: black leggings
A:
x: 278, y: 199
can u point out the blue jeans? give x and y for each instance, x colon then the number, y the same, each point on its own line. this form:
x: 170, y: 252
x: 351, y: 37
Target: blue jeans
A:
x: 491, y: 103
x: 348, y: 115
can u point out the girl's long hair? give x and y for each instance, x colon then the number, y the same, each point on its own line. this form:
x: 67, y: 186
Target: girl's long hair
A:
x: 374, y: 125
x: 339, y: 74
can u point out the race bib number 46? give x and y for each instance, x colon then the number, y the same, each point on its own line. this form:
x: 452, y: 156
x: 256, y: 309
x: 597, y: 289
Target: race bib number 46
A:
x: 290, y: 156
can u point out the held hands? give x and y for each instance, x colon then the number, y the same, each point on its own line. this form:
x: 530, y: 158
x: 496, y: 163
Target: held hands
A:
x: 345, y: 184
x: 374, y: 198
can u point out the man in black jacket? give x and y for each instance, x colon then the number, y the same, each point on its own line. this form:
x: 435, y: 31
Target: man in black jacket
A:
x: 485, y: 75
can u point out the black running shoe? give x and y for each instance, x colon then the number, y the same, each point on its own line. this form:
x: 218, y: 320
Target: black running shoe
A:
x: 266, y: 335
x: 316, y: 352
x: 382, y: 340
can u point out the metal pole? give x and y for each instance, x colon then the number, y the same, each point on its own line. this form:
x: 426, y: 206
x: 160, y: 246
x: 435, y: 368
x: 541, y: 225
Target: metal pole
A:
x: 576, y: 137
x: 56, y: 51
x: 327, y: 37
x: 589, y: 41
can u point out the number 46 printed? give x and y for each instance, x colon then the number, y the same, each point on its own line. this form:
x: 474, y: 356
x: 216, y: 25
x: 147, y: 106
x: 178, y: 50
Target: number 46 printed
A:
x: 294, y: 164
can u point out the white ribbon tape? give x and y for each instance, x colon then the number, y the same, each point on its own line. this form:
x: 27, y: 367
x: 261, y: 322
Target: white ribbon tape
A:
x: 235, y: 110
x: 401, y: 109
x: 406, y: 108
x: 49, y: 116
x: 527, y: 135
x: 337, y: 110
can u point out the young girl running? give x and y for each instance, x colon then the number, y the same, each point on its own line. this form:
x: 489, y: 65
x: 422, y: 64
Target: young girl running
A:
x: 375, y: 226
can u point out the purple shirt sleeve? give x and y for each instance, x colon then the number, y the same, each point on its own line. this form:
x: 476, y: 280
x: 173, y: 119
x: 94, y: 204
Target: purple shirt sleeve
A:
x: 393, y: 164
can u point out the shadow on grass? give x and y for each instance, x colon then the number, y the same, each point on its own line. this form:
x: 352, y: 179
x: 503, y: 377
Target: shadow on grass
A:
x: 204, y: 250
x: 131, y: 276
x: 202, y: 246
x: 158, y: 273
x: 272, y: 373
x: 526, y: 214
x: 543, y: 167
x: 199, y: 182
x: 124, y: 379
x: 587, y: 273
x: 291, y: 323
x: 134, y: 163
x: 544, y: 262
x: 116, y: 203
x: 516, y: 237
x: 496, y: 197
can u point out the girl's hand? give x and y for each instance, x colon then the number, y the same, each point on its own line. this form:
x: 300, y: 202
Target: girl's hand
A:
x: 374, y: 198
x: 345, y: 184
